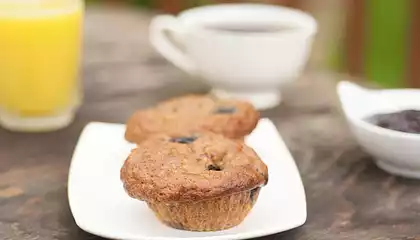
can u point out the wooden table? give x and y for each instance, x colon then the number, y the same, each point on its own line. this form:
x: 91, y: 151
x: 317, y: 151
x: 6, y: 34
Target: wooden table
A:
x: 348, y: 196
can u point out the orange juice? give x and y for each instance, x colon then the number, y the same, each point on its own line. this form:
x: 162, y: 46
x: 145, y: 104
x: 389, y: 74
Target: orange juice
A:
x: 40, y: 45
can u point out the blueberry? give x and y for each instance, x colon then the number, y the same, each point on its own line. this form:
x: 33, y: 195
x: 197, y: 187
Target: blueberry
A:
x: 212, y: 167
x: 252, y: 194
x: 183, y: 140
x: 225, y: 110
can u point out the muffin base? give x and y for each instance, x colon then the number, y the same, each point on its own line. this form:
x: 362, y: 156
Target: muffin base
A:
x: 207, y: 215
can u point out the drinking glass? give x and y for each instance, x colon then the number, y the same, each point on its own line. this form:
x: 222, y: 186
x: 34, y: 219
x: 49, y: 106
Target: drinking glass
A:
x: 40, y: 49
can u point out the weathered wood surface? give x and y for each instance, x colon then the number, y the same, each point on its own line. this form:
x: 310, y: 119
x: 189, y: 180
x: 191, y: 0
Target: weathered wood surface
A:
x: 348, y: 196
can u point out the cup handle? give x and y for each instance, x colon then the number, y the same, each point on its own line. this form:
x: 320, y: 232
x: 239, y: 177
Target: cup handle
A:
x: 159, y: 28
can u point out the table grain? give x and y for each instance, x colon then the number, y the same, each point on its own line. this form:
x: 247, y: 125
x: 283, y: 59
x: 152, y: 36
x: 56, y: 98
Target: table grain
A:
x: 348, y: 197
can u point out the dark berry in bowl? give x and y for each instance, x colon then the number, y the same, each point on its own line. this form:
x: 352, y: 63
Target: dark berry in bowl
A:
x: 403, y: 121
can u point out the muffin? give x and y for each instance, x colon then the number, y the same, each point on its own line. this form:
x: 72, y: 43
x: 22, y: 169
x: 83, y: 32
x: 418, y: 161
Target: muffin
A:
x: 191, y: 114
x: 203, y: 182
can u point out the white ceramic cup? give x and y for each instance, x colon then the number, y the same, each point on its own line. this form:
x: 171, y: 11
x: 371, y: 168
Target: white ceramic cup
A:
x: 249, y: 65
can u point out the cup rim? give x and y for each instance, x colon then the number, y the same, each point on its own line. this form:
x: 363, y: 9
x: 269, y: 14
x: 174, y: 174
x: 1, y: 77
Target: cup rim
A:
x: 306, y: 23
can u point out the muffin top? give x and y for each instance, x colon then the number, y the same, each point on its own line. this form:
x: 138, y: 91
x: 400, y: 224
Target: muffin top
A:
x: 191, y: 114
x: 191, y: 168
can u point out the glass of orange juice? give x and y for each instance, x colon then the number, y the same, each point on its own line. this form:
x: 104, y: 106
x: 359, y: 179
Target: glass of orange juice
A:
x: 40, y: 49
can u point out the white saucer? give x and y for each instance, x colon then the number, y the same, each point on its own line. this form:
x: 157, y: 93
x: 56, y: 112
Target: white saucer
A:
x: 100, y: 205
x: 261, y: 100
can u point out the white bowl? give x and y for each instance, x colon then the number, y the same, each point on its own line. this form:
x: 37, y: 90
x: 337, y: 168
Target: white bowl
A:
x: 395, y: 152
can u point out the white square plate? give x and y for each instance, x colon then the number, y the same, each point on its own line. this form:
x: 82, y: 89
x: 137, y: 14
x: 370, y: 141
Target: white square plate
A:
x: 100, y: 205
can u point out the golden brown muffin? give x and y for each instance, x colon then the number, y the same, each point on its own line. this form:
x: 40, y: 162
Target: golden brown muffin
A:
x: 204, y: 182
x: 191, y: 114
